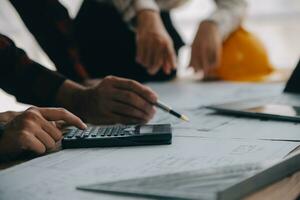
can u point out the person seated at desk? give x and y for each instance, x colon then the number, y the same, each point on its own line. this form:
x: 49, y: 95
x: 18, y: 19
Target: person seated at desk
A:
x: 114, y: 100
x: 135, y: 39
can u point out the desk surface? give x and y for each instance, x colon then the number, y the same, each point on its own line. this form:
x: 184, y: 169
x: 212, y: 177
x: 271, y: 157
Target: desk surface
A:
x: 56, y: 175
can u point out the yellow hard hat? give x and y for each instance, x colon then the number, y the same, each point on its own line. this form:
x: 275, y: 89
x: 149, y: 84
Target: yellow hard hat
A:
x: 244, y: 58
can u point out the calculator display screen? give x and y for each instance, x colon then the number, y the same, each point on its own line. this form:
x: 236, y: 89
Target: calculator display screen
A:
x: 146, y: 129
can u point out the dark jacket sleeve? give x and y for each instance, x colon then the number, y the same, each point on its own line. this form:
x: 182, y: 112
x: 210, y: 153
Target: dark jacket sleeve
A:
x: 27, y: 80
x: 51, y: 25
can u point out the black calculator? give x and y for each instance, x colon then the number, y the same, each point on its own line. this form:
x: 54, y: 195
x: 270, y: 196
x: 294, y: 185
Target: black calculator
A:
x: 117, y: 135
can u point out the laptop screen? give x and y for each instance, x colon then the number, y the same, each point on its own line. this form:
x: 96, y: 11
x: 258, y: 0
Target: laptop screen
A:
x: 293, y: 84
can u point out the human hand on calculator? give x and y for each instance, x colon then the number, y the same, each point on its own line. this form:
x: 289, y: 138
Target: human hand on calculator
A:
x: 33, y: 130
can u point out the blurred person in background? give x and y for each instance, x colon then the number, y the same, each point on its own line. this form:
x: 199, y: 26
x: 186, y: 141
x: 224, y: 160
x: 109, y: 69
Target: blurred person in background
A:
x: 134, y: 39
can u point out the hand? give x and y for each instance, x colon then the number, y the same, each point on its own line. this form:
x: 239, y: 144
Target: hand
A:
x: 113, y: 100
x: 32, y: 130
x: 206, y: 49
x: 6, y: 117
x: 118, y: 100
x: 155, y: 48
x: 91, y: 82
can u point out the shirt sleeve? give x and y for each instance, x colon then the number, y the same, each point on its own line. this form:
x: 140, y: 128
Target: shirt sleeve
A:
x: 228, y: 15
x: 130, y: 8
x: 51, y: 25
x: 145, y: 5
x: 27, y: 80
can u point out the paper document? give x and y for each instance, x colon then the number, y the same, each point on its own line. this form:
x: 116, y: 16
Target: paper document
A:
x: 206, y: 123
x: 203, y: 143
x: 191, y: 94
x: 56, y: 176
x: 190, y: 185
x: 224, y: 183
x: 190, y: 98
x: 201, y: 119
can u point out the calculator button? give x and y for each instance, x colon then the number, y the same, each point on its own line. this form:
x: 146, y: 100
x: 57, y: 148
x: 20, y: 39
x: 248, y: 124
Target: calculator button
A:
x: 94, y: 132
x: 71, y: 133
x: 109, y: 131
x: 116, y: 131
x: 122, y: 132
x: 86, y: 132
x: 78, y: 133
x: 129, y: 129
x: 101, y: 132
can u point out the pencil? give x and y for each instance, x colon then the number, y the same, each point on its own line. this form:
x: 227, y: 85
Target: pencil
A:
x: 168, y: 109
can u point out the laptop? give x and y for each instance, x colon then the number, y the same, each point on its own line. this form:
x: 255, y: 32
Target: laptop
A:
x: 285, y: 106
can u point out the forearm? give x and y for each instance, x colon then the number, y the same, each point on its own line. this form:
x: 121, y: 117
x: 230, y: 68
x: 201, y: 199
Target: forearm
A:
x: 27, y: 80
x: 147, y: 18
x: 32, y: 83
x: 71, y: 96
x: 36, y: 86
x: 157, y: 5
x: 228, y: 16
x: 2, y: 146
x: 52, y: 27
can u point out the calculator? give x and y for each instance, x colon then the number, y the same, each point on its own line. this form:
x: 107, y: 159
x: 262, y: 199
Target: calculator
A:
x: 117, y: 135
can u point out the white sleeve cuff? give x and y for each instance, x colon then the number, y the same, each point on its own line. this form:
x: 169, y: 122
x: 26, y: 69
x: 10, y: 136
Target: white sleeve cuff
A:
x: 145, y: 5
x: 228, y: 16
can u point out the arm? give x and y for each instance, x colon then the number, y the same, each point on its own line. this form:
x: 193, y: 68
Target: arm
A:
x: 33, y: 130
x: 228, y: 15
x: 207, y: 45
x: 130, y: 8
x: 30, y: 83
x: 51, y: 25
x: 113, y: 100
x: 27, y: 80
x: 154, y: 46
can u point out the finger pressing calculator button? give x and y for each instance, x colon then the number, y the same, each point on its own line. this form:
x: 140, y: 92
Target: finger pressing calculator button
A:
x: 87, y: 132
x: 78, y: 133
